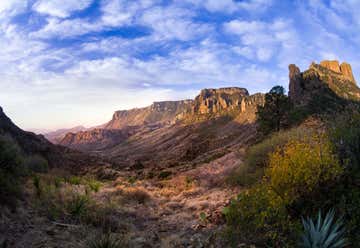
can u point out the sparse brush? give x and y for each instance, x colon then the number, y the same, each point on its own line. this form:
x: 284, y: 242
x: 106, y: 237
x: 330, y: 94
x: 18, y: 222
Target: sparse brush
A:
x: 106, y: 241
x: 326, y: 233
x: 37, y: 185
x: 78, y: 206
x: 74, y: 180
x: 94, y: 185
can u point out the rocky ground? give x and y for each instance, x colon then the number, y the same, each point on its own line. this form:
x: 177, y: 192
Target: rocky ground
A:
x: 181, y: 211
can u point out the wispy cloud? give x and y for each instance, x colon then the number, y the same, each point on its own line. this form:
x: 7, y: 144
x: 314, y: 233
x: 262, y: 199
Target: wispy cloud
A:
x: 67, y: 62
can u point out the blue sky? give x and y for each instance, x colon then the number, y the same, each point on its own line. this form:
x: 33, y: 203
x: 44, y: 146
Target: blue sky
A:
x: 70, y: 62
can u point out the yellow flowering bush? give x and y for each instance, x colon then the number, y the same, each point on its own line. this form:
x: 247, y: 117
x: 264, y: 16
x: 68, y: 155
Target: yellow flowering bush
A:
x: 300, y: 167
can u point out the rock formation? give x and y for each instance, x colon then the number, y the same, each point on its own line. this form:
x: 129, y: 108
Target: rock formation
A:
x: 325, y: 79
x: 162, y: 117
x: 344, y: 69
x: 212, y: 101
x: 96, y: 139
x: 56, y: 136
x: 159, y: 112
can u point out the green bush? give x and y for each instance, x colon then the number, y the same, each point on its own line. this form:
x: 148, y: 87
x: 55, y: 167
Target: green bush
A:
x: 94, y: 185
x: 106, y: 241
x: 74, y: 180
x: 266, y: 214
x: 259, y: 216
x: 258, y: 154
x: 11, y: 171
x: 302, y: 167
x: 164, y: 174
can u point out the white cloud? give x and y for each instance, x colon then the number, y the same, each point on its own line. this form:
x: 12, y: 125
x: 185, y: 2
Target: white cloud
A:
x: 263, y: 39
x: 230, y: 6
x: 10, y: 8
x: 60, y: 8
x: 173, y: 23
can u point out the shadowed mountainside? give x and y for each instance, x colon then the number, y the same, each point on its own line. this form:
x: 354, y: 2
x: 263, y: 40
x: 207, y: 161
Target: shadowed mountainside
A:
x: 57, y: 156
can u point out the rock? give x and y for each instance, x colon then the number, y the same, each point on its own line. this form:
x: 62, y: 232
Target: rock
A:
x: 295, y: 89
x: 327, y: 79
x: 216, y: 100
x: 158, y: 113
x: 346, y: 70
x: 331, y: 65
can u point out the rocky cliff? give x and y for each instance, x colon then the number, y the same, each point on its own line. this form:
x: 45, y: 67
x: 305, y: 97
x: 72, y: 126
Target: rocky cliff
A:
x: 96, y: 139
x: 159, y: 112
x: 212, y: 101
x: 56, y: 136
x: 327, y: 79
x: 162, y: 121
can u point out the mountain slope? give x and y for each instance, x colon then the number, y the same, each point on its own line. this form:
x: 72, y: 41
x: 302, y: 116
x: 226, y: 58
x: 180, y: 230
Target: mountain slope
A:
x: 57, y: 156
x: 56, y: 136
x: 158, y: 112
x: 215, y: 123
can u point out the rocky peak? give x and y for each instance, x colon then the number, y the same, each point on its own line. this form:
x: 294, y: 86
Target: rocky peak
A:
x: 328, y: 76
x: 215, y: 100
x: 344, y: 69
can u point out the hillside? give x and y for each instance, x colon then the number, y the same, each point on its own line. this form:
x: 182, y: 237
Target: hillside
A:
x: 56, y: 136
x: 57, y: 156
x: 216, y: 122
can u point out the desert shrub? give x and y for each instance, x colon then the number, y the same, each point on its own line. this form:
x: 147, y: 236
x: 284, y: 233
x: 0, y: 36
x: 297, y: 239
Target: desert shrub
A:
x: 36, y: 163
x: 136, y: 195
x: 37, y: 185
x: 94, y: 185
x: 245, y: 176
x: 259, y: 216
x: 266, y: 213
x: 258, y: 154
x: 164, y: 174
x: 74, y: 180
x: 78, y: 206
x: 11, y: 171
x: 301, y: 167
x: 345, y: 134
x: 107, y: 241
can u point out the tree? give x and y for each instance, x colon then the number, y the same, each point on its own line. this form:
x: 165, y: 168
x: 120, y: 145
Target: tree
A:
x: 274, y: 114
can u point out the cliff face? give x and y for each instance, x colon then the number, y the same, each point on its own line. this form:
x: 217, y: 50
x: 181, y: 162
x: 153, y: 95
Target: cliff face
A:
x: 95, y: 139
x: 216, y: 100
x: 56, y: 136
x: 319, y: 78
x: 159, y: 112
x: 155, y: 119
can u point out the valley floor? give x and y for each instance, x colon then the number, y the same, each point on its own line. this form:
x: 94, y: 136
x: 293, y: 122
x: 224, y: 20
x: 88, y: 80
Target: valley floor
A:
x: 183, y: 211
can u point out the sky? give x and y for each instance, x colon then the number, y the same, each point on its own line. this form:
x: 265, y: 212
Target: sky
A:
x: 65, y: 63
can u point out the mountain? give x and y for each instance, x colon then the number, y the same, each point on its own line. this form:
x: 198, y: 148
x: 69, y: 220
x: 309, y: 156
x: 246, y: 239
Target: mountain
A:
x: 322, y: 82
x: 157, y: 113
x: 57, y: 156
x: 165, y: 134
x: 96, y: 139
x: 56, y: 136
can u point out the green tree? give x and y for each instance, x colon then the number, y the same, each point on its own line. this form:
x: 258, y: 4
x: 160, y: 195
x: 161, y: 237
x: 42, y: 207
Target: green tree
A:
x: 274, y: 114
